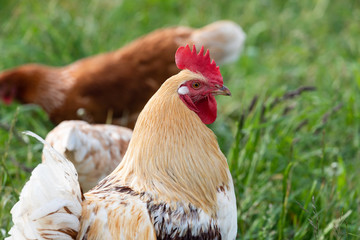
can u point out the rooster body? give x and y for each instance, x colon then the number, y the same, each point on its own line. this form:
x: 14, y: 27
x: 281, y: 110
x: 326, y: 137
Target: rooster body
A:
x: 201, y: 206
x: 115, y: 85
x: 174, y: 181
x: 94, y: 149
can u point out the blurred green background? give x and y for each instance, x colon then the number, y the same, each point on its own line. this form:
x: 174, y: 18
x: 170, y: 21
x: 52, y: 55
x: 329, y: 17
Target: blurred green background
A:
x: 294, y: 153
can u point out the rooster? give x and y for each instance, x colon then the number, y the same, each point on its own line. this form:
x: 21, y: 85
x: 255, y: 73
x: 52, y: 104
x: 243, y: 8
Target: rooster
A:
x: 95, y: 150
x: 115, y: 86
x: 173, y: 182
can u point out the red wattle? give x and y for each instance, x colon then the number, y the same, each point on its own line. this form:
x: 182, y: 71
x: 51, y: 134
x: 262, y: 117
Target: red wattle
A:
x: 205, y: 108
x: 189, y: 103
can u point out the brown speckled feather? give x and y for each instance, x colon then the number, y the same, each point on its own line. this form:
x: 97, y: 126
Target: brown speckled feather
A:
x: 95, y: 150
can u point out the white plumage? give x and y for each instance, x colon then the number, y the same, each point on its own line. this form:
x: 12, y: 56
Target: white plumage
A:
x: 225, y: 39
x: 41, y: 213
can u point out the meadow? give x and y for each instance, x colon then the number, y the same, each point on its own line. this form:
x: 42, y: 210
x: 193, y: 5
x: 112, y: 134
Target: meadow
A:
x: 291, y: 130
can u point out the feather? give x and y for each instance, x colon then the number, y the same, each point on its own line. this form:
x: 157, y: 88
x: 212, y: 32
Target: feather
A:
x: 95, y: 150
x: 55, y: 206
x: 224, y: 39
x: 116, y: 213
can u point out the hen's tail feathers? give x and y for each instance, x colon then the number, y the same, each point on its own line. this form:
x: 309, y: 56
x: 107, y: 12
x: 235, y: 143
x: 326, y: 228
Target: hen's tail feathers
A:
x: 50, y: 202
x: 224, y: 39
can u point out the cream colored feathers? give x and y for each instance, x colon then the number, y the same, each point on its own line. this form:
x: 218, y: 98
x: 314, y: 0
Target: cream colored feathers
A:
x: 225, y: 39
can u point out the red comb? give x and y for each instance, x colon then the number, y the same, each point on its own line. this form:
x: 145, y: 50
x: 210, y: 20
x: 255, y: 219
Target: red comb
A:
x: 187, y: 59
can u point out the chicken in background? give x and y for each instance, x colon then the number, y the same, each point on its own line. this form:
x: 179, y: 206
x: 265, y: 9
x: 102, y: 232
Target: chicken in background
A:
x: 173, y: 182
x: 115, y: 85
x: 95, y: 150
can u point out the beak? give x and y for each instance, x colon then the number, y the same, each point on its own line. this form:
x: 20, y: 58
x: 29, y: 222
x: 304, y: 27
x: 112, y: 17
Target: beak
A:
x: 221, y: 90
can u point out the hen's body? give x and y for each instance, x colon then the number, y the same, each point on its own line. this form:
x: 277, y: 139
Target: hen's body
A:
x: 115, y: 85
x: 94, y: 149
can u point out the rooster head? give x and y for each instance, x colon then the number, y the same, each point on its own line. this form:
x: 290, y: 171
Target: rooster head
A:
x: 198, y: 94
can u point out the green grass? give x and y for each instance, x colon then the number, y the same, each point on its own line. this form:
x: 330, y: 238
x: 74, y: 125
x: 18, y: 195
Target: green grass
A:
x: 295, y: 160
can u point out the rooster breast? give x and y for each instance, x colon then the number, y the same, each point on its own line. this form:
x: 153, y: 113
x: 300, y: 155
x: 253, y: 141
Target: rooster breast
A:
x: 121, y: 211
x: 117, y: 213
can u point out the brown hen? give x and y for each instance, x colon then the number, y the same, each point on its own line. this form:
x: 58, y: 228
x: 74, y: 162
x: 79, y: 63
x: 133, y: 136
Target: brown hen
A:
x: 115, y: 85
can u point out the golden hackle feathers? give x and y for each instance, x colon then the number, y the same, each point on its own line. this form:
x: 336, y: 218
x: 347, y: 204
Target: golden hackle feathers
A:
x: 188, y: 166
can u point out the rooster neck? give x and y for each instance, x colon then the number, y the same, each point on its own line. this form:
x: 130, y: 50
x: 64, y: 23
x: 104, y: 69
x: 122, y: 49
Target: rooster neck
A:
x: 173, y: 155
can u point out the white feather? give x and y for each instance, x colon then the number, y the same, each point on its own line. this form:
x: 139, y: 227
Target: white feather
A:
x: 50, y: 202
x: 224, y: 39
x: 227, y: 214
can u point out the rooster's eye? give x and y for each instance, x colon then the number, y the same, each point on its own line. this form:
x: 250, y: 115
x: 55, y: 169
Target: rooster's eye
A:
x: 195, y: 85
